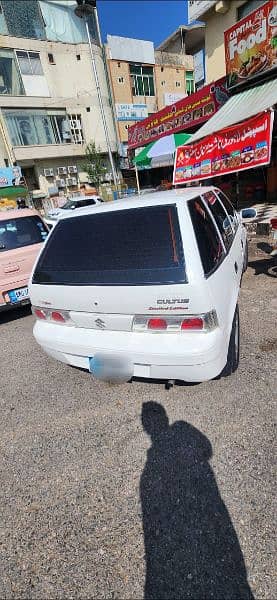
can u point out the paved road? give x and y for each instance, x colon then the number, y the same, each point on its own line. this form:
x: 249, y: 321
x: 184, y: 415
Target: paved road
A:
x: 134, y: 491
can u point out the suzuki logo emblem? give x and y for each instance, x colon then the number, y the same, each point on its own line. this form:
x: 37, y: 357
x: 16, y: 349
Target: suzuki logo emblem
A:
x: 101, y: 324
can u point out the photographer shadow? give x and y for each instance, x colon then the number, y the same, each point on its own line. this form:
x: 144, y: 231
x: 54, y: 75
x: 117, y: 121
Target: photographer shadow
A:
x: 191, y: 547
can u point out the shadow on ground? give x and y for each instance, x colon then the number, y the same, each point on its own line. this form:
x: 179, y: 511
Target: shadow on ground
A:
x: 191, y: 547
x: 265, y: 266
x: 14, y: 314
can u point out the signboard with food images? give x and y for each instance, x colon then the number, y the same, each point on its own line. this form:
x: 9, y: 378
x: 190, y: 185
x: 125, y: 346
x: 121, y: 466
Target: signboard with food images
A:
x: 187, y: 112
x: 242, y: 146
x: 251, y: 44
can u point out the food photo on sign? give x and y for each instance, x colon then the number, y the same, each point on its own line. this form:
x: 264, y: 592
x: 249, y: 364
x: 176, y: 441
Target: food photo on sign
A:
x: 251, y: 44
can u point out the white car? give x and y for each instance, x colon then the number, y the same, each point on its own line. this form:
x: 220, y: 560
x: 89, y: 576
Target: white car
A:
x: 146, y: 287
x: 79, y: 202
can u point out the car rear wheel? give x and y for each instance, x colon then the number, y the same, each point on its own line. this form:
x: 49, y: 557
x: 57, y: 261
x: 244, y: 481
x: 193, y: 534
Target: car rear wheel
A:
x: 234, y: 346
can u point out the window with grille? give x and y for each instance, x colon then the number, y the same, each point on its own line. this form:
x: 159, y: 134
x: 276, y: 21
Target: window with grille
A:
x: 189, y: 82
x: 142, y: 80
x: 29, y: 63
x: 76, y: 129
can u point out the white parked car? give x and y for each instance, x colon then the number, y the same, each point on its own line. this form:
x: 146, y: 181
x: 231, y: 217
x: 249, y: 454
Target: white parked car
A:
x: 146, y: 287
x: 79, y: 202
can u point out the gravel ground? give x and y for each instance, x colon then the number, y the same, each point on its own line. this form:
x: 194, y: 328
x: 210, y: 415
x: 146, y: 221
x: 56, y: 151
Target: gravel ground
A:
x: 92, y: 506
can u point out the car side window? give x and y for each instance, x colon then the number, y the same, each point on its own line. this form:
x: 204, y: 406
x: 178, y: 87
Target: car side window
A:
x: 221, y: 218
x: 90, y: 202
x: 209, y: 243
x: 229, y: 209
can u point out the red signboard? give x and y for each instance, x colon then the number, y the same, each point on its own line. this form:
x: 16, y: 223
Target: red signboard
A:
x: 242, y: 146
x: 188, y: 112
x: 251, y: 44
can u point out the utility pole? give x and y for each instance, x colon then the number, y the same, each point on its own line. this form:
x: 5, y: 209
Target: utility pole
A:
x: 83, y: 10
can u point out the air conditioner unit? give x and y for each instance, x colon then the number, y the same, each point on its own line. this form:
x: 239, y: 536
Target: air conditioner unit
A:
x: 48, y: 172
x: 60, y: 183
x: 71, y: 181
x: 72, y: 169
x: 62, y: 170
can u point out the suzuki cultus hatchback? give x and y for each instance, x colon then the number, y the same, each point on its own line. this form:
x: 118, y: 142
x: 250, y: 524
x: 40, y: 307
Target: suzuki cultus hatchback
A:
x: 22, y: 233
x: 146, y: 287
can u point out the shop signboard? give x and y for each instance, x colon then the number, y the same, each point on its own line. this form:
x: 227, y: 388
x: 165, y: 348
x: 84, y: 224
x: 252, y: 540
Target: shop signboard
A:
x: 242, y: 146
x: 131, y: 112
x: 196, y: 8
x: 251, y: 45
x: 184, y: 114
x: 171, y: 97
x: 199, y: 66
x: 10, y: 176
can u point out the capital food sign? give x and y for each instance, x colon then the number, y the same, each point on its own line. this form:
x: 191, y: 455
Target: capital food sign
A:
x: 251, y: 44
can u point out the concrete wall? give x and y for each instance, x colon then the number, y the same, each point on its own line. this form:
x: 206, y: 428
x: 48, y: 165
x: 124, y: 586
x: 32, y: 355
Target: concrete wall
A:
x: 216, y: 24
x: 170, y: 68
x: 166, y: 79
x: 72, y: 87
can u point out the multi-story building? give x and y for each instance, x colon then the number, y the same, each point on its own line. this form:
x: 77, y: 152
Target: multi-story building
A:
x: 218, y: 16
x: 144, y: 80
x: 49, y: 107
x: 190, y: 40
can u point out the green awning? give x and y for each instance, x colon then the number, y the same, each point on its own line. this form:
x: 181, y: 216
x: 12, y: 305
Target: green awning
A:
x: 161, y: 151
x: 13, y: 191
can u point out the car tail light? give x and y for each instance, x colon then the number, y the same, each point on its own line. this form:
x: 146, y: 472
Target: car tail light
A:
x: 172, y: 324
x: 57, y: 316
x: 157, y: 324
x: 194, y: 323
x: 52, y: 316
x: 39, y: 313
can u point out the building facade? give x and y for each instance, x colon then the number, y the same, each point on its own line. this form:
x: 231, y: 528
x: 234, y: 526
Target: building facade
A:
x: 49, y: 107
x: 144, y: 80
x: 218, y: 16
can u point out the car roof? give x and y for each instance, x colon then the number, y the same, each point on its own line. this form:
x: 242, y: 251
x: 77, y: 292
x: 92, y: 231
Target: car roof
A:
x: 79, y: 198
x: 176, y: 196
x: 16, y: 213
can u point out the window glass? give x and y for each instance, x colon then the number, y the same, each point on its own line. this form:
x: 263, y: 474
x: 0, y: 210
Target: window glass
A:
x: 142, y: 80
x: 62, y: 25
x: 29, y: 63
x: 10, y: 79
x: 221, y: 218
x: 37, y: 127
x: 189, y: 82
x: 229, y: 209
x: 248, y: 7
x: 209, y: 244
x: 140, y: 246
x: 24, y: 231
x: 23, y: 18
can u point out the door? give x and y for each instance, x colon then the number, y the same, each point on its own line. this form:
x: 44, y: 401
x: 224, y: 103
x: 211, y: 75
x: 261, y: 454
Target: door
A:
x: 217, y: 255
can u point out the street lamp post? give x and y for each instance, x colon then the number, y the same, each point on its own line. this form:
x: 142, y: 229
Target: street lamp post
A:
x: 84, y: 9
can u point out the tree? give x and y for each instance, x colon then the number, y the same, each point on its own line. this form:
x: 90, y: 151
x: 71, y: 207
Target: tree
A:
x: 94, y: 167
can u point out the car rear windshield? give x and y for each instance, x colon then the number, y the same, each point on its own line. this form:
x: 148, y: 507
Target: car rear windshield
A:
x: 140, y: 246
x: 22, y: 231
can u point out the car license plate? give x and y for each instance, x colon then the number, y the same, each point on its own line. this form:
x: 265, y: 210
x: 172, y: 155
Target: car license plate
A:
x: 107, y: 367
x: 19, y: 295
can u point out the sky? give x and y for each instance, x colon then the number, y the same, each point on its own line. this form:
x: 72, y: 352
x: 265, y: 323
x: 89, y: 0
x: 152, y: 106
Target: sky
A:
x: 152, y: 20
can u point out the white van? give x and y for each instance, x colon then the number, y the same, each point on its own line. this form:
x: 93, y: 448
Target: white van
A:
x: 145, y: 287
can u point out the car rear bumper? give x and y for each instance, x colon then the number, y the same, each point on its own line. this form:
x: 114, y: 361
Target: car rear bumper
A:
x: 189, y: 356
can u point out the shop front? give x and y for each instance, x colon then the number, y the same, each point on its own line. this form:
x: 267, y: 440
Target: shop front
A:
x: 237, y: 148
x: 182, y: 117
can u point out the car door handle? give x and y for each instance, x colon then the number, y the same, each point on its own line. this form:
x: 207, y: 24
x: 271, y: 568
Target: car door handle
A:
x: 236, y: 267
